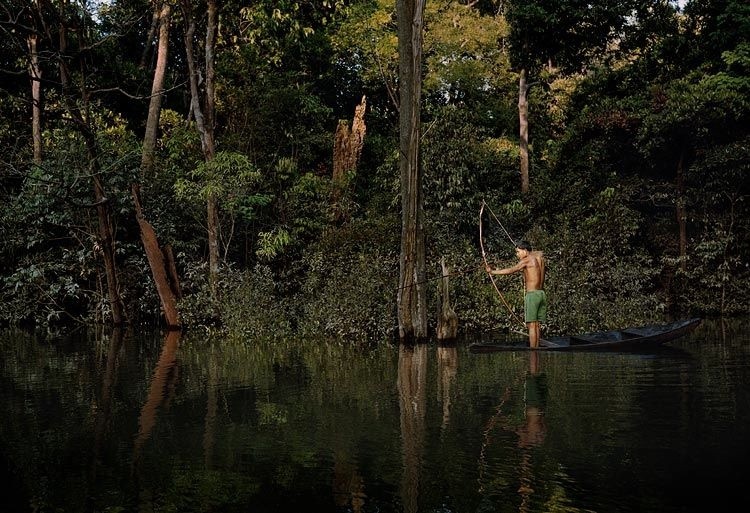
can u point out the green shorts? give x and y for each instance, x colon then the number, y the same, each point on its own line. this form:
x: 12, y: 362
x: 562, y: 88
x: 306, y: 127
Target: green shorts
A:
x: 535, y: 305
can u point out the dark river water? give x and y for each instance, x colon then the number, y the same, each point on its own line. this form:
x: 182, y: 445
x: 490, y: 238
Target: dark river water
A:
x: 115, y: 422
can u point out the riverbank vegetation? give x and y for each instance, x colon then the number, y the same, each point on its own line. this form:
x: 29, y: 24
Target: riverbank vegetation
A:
x: 235, y: 165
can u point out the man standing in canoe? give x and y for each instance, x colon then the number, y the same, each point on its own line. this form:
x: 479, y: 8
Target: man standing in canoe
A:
x: 535, y: 300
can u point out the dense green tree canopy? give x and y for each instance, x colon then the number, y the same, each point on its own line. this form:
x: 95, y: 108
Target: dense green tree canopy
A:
x: 639, y: 147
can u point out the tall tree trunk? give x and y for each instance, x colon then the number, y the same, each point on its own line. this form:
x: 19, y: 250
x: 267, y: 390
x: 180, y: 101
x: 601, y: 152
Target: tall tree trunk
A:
x: 204, y: 120
x: 681, y: 211
x: 412, y: 298
x: 151, y: 32
x: 162, y: 268
x: 106, y: 232
x: 35, y: 72
x: 212, y: 206
x: 102, y: 202
x: 157, y: 91
x: 523, y: 129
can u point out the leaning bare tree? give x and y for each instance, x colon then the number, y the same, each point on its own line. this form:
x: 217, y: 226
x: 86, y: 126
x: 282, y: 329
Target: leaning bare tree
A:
x: 412, y: 297
x: 160, y: 259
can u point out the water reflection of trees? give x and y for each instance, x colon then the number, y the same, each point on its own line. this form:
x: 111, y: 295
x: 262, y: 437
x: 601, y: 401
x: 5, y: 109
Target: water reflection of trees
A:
x: 104, y: 403
x: 412, y: 382
x: 293, y: 416
x: 160, y: 392
x: 447, y: 363
x: 212, y: 404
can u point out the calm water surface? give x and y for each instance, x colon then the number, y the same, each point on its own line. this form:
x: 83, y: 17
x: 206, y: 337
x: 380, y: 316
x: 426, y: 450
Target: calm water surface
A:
x: 132, y: 422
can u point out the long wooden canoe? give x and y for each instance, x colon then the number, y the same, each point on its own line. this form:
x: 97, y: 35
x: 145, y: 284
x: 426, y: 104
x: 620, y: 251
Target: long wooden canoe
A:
x: 628, y: 339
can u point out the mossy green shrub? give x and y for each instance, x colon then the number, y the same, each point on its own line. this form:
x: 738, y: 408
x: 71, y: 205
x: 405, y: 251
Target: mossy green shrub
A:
x: 249, y: 304
x: 351, y: 282
x: 254, y: 307
x: 598, y: 276
x: 716, y: 275
x: 51, y: 269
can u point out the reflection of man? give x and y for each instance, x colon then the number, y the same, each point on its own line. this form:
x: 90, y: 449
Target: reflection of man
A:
x: 348, y: 485
x: 533, y: 431
x: 535, y: 398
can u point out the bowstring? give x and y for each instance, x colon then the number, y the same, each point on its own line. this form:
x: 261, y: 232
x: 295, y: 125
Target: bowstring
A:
x: 501, y: 224
x: 484, y: 258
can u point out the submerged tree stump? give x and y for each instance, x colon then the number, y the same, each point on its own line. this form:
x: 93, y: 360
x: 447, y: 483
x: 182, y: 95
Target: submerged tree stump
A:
x: 447, y: 326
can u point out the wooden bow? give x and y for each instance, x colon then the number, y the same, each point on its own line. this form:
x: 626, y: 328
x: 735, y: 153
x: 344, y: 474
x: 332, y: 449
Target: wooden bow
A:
x: 486, y: 268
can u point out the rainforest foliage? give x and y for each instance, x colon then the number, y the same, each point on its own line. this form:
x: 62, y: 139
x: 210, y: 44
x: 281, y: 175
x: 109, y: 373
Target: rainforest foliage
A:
x: 638, y: 160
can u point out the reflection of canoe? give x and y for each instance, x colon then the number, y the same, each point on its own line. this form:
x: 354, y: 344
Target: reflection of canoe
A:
x: 628, y: 339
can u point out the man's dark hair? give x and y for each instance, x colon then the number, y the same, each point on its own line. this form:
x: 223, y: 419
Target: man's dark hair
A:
x: 522, y: 244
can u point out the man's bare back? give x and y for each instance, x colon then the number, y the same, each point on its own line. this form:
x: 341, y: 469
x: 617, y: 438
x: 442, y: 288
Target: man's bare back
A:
x: 533, y: 272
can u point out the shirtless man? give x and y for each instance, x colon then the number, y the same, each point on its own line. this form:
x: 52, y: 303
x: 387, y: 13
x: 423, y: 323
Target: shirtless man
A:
x: 535, y: 300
